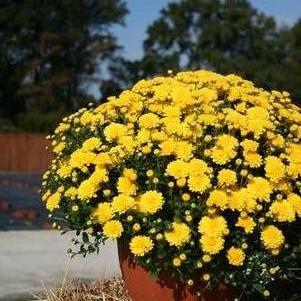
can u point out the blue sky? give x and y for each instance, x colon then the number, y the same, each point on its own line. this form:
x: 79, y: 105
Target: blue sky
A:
x: 143, y: 12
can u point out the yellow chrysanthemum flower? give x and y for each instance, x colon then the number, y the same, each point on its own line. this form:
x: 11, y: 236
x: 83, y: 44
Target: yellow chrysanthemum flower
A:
x: 183, y: 150
x: 63, y: 127
x: 126, y: 186
x: 150, y: 202
x: 218, y: 198
x: 141, y: 245
x: 71, y: 192
x: 274, y: 168
x: 178, y: 235
x: 213, y: 226
x: 102, y: 160
x: 127, y: 183
x: 149, y: 120
x: 112, y: 229
x: 81, y: 158
x: 252, y: 159
x: 59, y: 148
x: 236, y: 256
x: 115, y: 131
x: 199, y: 183
x: 283, y: 211
x: 197, y: 167
x: 122, y: 203
x: 257, y: 120
x: 249, y: 145
x: 87, y: 189
x: 247, y: 223
x: 260, y: 188
x: 103, y: 212
x: 243, y: 199
x: 295, y: 201
x: 53, y: 201
x: 272, y: 237
x: 91, y: 144
x: 65, y: 171
x: 178, y: 169
x: 130, y: 173
x: 168, y: 147
x: 227, y: 177
x: 224, y: 149
x: 86, y: 118
x: 212, y: 244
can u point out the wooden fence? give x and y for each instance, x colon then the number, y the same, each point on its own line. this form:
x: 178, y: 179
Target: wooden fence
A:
x: 23, y: 153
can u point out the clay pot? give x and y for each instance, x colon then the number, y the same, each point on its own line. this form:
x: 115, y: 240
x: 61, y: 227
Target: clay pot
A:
x: 142, y: 287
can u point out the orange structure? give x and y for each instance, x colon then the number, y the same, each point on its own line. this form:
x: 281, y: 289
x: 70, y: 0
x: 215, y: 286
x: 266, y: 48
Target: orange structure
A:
x: 24, y: 153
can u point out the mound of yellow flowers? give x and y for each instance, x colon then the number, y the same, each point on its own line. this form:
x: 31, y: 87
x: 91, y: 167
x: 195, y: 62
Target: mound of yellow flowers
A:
x: 199, y: 171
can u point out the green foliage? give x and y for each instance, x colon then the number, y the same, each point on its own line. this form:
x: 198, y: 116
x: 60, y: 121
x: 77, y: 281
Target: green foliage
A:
x: 291, y: 60
x: 50, y: 50
x: 228, y: 36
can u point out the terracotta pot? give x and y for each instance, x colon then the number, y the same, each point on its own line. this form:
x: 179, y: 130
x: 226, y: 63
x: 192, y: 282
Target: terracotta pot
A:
x: 142, y: 287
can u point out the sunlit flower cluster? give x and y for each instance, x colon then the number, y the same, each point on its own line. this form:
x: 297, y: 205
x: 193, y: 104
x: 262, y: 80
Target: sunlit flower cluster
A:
x: 199, y: 172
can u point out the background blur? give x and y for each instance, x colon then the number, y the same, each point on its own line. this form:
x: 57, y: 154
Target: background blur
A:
x: 58, y: 55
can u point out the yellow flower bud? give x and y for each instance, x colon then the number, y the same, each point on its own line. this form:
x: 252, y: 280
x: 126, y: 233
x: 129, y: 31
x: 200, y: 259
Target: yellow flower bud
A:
x: 243, y: 172
x: 243, y: 214
x: 181, y: 182
x: 150, y: 173
x: 61, y: 189
x: 155, y: 180
x: 106, y: 192
x: 199, y: 264
x: 188, y: 218
x: 129, y: 218
x: 182, y: 257
x: 75, y: 208
x: 206, y: 258
x: 261, y: 220
x: 176, y: 262
x: 146, y: 150
x: 185, y: 197
x: 266, y: 293
x: 207, y: 152
x: 156, y: 151
x: 159, y: 236
x: 136, y: 227
x: 244, y: 245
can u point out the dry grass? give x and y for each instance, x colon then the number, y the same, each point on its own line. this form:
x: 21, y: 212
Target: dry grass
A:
x: 109, y: 290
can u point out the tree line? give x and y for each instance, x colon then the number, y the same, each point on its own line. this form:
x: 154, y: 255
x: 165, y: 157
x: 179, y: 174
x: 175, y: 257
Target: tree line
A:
x: 52, y: 50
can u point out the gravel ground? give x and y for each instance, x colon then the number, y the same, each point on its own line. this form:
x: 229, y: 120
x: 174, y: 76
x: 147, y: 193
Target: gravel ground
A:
x: 110, y: 290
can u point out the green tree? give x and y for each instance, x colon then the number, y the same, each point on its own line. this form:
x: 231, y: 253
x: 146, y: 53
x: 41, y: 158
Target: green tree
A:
x: 50, y: 51
x: 291, y: 61
x: 229, y: 36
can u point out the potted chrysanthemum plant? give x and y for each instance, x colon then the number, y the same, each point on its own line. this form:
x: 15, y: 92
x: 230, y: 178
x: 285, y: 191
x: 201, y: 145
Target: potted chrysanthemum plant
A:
x: 196, y: 174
